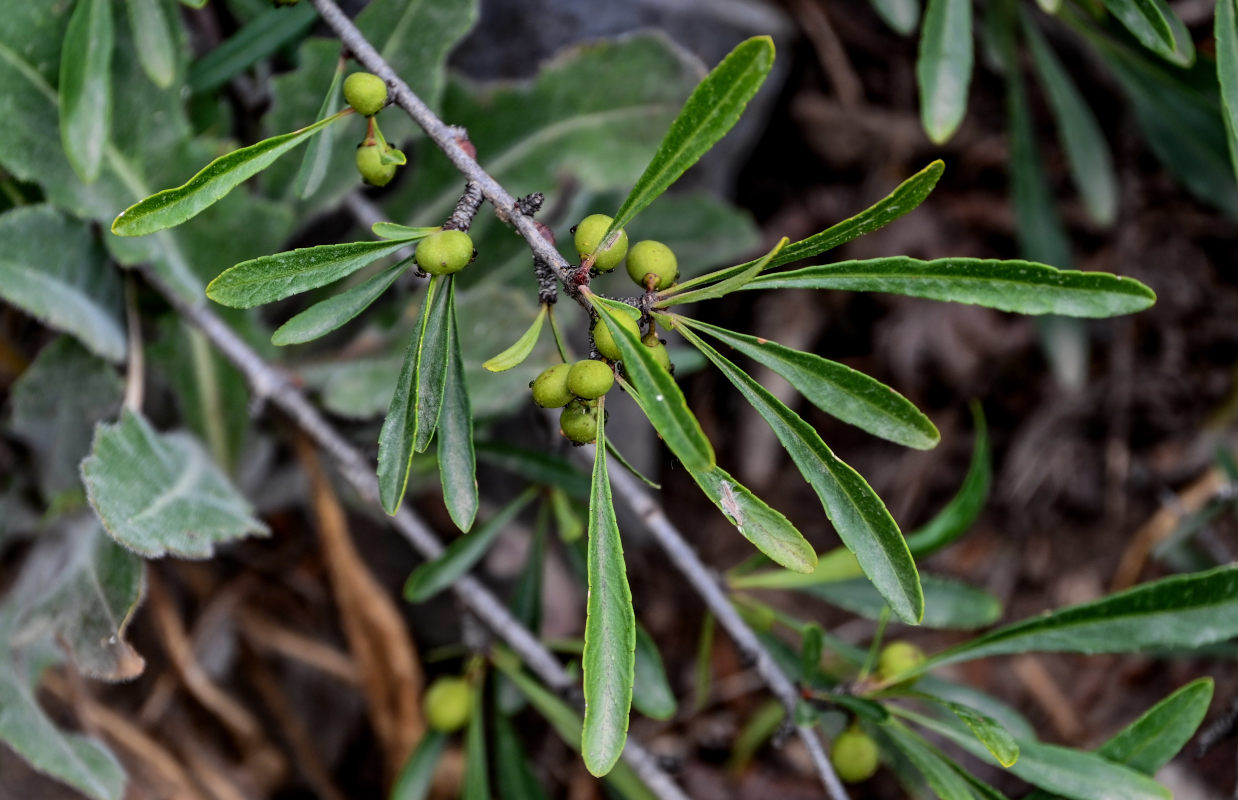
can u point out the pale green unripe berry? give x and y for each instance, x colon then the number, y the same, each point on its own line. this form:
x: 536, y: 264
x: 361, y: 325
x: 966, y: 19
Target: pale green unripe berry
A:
x: 370, y: 165
x: 365, y: 92
x: 854, y: 756
x: 590, y: 379
x: 652, y: 258
x: 550, y: 388
x: 589, y: 235
x: 448, y: 703
x: 444, y: 252
x: 658, y: 348
x: 579, y: 421
x: 605, y: 342
x: 897, y: 658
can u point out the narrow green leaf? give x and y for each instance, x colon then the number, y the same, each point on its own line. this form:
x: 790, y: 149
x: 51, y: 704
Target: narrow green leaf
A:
x: 836, y: 389
x: 269, y: 278
x: 988, y: 731
x: 944, y: 66
x: 317, y: 158
x: 457, y: 459
x: 414, y: 410
x: 513, y: 772
x: 623, y: 462
x: 476, y: 762
x: 570, y: 526
x: 758, y: 729
x: 540, y: 467
x: 957, y: 517
x: 259, y: 38
x: 515, y: 355
x: 413, y: 782
x: 609, y: 659
x: 901, y: 15
x: 1156, y: 26
x: 906, y: 197
x: 1023, y: 287
x: 727, y: 285
x: 936, y: 768
x: 193, y: 3
x: 948, y: 604
x: 858, y: 515
x: 713, y: 108
x: 173, y: 206
x: 657, y: 394
x: 152, y: 38
x: 651, y: 691
x: 328, y: 315
x: 86, y: 86
x: 393, y: 230
x: 1225, y: 28
x: 434, y: 576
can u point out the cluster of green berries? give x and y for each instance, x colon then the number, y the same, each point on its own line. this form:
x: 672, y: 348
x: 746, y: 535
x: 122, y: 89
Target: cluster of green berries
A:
x: 376, y: 160
x: 575, y: 388
x: 445, y: 252
x: 651, y: 265
x: 448, y: 703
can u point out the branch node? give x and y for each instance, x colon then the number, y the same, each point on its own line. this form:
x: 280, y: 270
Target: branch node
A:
x: 466, y: 208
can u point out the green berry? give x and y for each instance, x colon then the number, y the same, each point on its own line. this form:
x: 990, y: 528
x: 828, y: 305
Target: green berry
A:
x: 606, y: 343
x: 365, y: 92
x: 589, y: 235
x: 590, y: 379
x: 370, y: 165
x: 854, y: 756
x: 448, y: 703
x: 652, y: 258
x: 658, y: 347
x: 444, y: 252
x: 897, y: 658
x: 550, y: 388
x: 579, y: 421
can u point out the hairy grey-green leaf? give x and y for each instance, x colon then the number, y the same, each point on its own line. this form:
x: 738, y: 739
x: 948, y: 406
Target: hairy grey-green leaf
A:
x: 160, y: 494
x: 944, y: 66
x: 153, y: 40
x: 86, y: 87
x: 327, y: 315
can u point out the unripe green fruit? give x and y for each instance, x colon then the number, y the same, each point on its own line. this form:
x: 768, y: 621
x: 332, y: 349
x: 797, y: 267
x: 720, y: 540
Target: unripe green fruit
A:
x: 365, y: 92
x: 370, y: 165
x: 448, y: 703
x: 579, y: 421
x: 652, y: 258
x: 854, y: 756
x: 444, y: 252
x: 606, y: 343
x: 658, y: 348
x: 897, y: 658
x: 589, y: 235
x: 550, y: 388
x: 590, y: 379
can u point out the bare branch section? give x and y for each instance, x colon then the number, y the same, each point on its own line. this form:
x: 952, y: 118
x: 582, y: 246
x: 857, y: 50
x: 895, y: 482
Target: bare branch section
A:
x: 509, y: 210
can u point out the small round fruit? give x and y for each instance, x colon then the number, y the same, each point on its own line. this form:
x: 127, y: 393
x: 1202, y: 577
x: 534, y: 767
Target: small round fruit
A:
x: 448, y: 703
x: 550, y: 388
x: 589, y: 235
x: 605, y: 342
x: 652, y: 258
x: 658, y: 347
x: 854, y: 756
x: 370, y: 165
x: 897, y: 658
x: 590, y: 379
x: 444, y: 252
x: 579, y: 422
x: 365, y: 92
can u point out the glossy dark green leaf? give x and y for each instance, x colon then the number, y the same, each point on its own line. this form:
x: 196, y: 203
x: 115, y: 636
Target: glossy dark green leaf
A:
x: 274, y: 277
x: 935, y: 766
x: 516, y: 354
x: 906, y: 197
x: 86, y: 86
x: 457, y: 459
x: 836, y: 389
x: 1156, y: 27
x: 944, y: 66
x: 948, y: 604
x: 535, y: 465
x: 610, y: 628
x: 152, y: 39
x: 414, y: 411
x: 417, y: 774
x: 901, y: 15
x: 957, y: 517
x: 476, y: 762
x: 259, y: 38
x: 1225, y: 28
x: 514, y: 774
x: 317, y: 158
x: 657, y: 394
x: 434, y: 576
x: 328, y: 315
x: 858, y: 515
x: 713, y: 108
x: 651, y: 691
x: 1023, y: 287
x: 173, y: 206
x: 727, y: 285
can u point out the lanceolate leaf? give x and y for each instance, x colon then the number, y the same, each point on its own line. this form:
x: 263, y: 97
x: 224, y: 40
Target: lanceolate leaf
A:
x: 948, y: 604
x: 932, y: 764
x: 988, y: 731
x: 1156, y: 27
x: 859, y: 516
x: 944, y: 66
x: 317, y: 156
x: 537, y: 466
x: 909, y: 194
x: 327, y: 315
x: 173, y: 206
x: 152, y: 38
x: 260, y: 37
x: 610, y: 627
x: 901, y: 15
x: 836, y: 389
x: 393, y: 230
x: 457, y: 460
x: 160, y: 493
x: 724, y: 287
x: 520, y: 349
x: 713, y: 108
x: 86, y: 86
x: 413, y: 414
x: 1225, y: 27
x: 1024, y: 287
x: 513, y: 771
x: 476, y: 767
x: 417, y: 774
x: 274, y: 277
x: 657, y: 394
x: 957, y: 517
x: 651, y: 692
